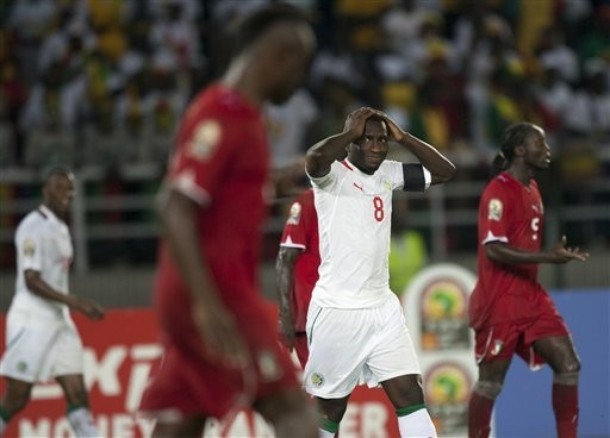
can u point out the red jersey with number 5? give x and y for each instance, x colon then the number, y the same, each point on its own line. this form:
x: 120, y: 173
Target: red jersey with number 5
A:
x: 512, y: 213
x: 301, y: 231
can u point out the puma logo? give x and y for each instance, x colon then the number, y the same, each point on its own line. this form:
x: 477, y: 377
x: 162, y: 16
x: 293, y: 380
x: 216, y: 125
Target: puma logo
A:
x: 359, y: 187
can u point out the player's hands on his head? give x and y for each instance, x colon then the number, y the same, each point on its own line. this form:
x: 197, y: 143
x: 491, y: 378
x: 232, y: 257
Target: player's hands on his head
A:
x: 356, y: 121
x: 90, y: 308
x: 218, y: 329
x: 563, y: 254
x: 396, y: 132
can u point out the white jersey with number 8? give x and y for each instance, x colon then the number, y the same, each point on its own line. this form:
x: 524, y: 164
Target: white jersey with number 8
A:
x: 354, y: 217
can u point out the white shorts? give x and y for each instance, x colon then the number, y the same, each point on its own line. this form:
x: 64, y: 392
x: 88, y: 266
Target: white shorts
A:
x: 38, y: 349
x: 353, y: 346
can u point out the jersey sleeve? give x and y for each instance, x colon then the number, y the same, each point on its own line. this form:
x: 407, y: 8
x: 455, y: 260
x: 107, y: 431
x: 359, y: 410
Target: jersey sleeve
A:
x: 410, y: 177
x: 329, y: 182
x: 494, y: 216
x: 201, y: 156
x: 29, y: 244
x: 297, y: 230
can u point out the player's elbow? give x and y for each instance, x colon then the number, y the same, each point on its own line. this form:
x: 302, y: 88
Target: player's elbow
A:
x: 446, y: 174
x: 494, y: 253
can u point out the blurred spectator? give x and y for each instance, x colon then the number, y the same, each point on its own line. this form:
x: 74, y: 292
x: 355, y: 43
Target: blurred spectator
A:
x: 288, y: 125
x: 552, y: 53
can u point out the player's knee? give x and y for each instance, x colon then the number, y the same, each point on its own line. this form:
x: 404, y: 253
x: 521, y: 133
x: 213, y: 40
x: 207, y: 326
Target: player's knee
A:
x: 488, y: 389
x: 566, y: 378
x: 332, y: 409
x: 571, y: 366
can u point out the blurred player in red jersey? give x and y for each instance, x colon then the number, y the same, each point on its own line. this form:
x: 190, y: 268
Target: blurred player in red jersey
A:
x: 509, y: 310
x: 297, y: 272
x: 221, y: 351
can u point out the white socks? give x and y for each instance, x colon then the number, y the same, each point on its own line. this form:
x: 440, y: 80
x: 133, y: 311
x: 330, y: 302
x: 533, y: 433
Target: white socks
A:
x: 325, y: 434
x: 2, y: 427
x: 82, y: 423
x: 417, y: 425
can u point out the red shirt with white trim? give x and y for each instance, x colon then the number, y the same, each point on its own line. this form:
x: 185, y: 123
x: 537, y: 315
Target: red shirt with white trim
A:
x: 221, y: 162
x: 513, y: 213
x: 301, y: 231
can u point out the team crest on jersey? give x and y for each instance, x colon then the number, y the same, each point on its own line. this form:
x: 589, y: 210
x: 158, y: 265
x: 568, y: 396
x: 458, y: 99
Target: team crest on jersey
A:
x: 317, y: 379
x: 497, y: 347
x: 22, y: 366
x: 387, y: 185
x: 269, y: 367
x: 495, y: 209
x: 206, y: 136
x: 295, y: 214
x: 29, y: 247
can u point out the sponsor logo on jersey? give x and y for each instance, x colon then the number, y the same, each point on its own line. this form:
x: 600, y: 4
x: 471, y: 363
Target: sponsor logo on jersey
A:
x: 206, y: 136
x: 495, y: 209
x: 29, y: 247
x: 317, y: 379
x: 295, y: 214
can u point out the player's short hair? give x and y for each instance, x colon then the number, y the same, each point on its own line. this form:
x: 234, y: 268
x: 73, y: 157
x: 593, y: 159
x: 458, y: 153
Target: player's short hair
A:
x: 252, y: 26
x: 59, y: 170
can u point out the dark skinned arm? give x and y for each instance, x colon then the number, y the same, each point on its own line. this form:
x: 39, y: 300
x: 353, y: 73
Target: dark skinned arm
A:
x: 503, y: 253
x: 212, y: 319
x: 441, y: 169
x: 38, y: 286
x: 284, y: 269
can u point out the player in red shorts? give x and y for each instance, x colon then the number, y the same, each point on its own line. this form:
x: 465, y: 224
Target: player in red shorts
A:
x: 221, y: 350
x: 297, y: 272
x: 509, y: 310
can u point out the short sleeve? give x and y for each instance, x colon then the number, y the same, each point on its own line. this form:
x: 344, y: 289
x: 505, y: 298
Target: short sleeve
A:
x: 294, y: 234
x: 297, y: 230
x: 202, y: 154
x: 29, y: 245
x: 329, y: 182
x: 494, y: 217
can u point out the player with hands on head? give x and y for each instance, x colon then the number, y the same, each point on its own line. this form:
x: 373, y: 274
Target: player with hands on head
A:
x: 510, y: 311
x: 355, y: 323
x: 221, y: 350
x: 41, y: 338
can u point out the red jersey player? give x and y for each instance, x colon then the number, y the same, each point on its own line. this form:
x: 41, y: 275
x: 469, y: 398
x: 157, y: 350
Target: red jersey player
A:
x: 221, y: 351
x: 297, y: 272
x: 509, y: 310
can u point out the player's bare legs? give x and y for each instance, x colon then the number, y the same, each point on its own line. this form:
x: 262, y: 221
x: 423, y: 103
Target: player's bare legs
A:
x: 186, y: 427
x: 16, y: 396
x: 484, y: 394
x: 407, y: 396
x: 79, y: 414
x: 290, y: 414
x: 332, y: 411
x: 559, y: 353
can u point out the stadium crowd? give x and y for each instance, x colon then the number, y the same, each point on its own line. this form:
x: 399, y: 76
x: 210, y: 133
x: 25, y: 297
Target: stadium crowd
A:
x: 101, y: 84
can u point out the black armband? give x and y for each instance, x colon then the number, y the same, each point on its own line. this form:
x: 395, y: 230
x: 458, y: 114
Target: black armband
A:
x: 413, y: 175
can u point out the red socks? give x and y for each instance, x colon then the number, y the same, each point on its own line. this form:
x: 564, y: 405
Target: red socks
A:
x: 479, y: 416
x: 565, y: 405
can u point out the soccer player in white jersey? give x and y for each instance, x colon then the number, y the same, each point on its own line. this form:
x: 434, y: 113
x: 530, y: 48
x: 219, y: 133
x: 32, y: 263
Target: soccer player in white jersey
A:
x: 355, y: 324
x: 41, y: 339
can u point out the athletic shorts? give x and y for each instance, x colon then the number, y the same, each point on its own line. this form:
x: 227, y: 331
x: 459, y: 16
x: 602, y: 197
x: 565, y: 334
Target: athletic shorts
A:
x: 301, y: 348
x: 502, y: 341
x: 348, y: 347
x: 189, y: 384
x: 40, y: 348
